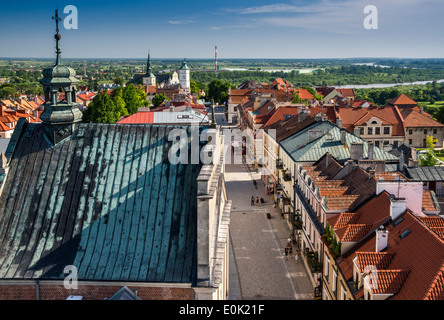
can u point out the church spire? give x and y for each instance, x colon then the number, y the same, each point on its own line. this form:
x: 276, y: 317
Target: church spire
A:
x: 149, y: 71
x: 61, y: 110
x: 57, y: 36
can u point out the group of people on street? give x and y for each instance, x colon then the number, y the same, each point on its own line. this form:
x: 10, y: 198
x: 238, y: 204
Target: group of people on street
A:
x: 288, y: 251
x: 257, y: 201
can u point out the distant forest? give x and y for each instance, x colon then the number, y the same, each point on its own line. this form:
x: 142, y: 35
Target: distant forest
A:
x: 23, y: 75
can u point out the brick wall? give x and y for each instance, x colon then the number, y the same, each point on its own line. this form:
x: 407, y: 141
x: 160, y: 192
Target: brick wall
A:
x: 90, y: 292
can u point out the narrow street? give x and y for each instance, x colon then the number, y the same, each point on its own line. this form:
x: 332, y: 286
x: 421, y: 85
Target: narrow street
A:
x: 258, y: 267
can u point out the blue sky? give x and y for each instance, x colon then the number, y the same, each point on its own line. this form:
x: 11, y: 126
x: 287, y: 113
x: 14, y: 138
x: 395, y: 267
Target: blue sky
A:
x: 241, y: 29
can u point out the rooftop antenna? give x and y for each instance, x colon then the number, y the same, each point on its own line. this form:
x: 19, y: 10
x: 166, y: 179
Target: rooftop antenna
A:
x: 215, y: 57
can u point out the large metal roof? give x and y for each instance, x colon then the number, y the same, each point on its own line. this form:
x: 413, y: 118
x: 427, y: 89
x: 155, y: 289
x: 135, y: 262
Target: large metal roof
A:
x: 105, y: 200
x: 301, y: 149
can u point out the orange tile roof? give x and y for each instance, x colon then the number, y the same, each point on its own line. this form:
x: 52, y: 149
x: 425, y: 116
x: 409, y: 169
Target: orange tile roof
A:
x: 343, y: 219
x: 353, y: 232
x: 414, y: 118
x: 402, y: 99
x: 428, y: 203
x: 380, y: 260
x: 347, y: 92
x: 4, y: 127
x: 282, y: 113
x: 389, y: 281
x: 138, y: 117
x: 436, y: 291
x: 390, y: 176
x: 341, y: 202
x: 420, y: 253
x: 304, y: 94
x: 388, y: 115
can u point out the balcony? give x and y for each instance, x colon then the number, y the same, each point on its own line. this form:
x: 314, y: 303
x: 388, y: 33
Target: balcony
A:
x: 311, y: 213
x: 286, y: 177
x: 279, y: 164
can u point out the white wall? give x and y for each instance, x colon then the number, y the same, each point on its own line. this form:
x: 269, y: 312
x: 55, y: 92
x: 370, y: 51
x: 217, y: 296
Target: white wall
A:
x: 411, y: 191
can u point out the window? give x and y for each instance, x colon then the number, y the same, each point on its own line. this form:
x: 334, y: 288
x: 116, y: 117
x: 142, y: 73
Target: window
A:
x: 404, y: 234
x: 386, y: 142
x: 374, y: 122
x: 386, y: 130
x: 410, y: 141
x: 287, y: 116
x: 343, y: 293
x: 425, y: 131
x: 410, y: 131
x: 435, y: 131
x: 377, y: 130
x: 398, y: 221
x: 326, y: 268
x: 334, y: 278
x: 361, y: 130
x: 370, y: 130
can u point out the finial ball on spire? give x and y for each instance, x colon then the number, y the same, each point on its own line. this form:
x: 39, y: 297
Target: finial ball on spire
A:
x: 57, y: 36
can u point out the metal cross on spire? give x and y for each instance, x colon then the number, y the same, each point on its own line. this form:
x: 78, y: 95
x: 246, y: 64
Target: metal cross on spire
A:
x: 57, y: 19
x: 57, y: 36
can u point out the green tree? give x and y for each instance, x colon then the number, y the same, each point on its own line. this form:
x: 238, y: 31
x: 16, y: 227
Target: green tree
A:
x: 158, y: 99
x: 119, y: 81
x: 6, y: 91
x: 218, y: 91
x: 429, y: 159
x: 131, y: 98
x: 101, y: 110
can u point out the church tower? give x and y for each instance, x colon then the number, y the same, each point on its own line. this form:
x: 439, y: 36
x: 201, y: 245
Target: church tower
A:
x: 149, y: 79
x: 184, y: 77
x: 61, y: 110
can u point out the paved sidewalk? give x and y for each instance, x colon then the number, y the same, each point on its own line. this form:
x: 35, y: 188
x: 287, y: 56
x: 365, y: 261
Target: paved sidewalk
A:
x: 258, y: 268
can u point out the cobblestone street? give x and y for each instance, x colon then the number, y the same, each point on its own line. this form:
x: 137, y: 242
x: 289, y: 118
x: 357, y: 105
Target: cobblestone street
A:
x: 258, y: 267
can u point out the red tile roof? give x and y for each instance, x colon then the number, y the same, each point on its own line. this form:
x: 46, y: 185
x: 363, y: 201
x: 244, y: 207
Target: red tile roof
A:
x: 348, y: 93
x: 388, y: 115
x: 380, y: 260
x: 138, y: 117
x: 401, y: 100
x: 282, y: 113
x: 414, y: 118
x: 353, y: 232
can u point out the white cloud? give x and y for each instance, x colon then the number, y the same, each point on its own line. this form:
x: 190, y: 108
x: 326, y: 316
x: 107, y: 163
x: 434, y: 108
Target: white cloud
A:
x: 182, y: 21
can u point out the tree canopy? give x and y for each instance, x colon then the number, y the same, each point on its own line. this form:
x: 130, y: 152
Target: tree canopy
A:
x: 218, y: 91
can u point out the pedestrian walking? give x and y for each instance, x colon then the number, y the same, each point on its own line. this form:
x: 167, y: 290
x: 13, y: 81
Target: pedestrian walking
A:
x: 286, y: 253
x: 257, y: 201
x: 290, y: 248
x: 252, y: 200
x: 296, y: 256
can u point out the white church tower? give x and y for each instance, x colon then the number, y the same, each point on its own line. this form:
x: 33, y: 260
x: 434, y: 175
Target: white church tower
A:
x: 184, y: 77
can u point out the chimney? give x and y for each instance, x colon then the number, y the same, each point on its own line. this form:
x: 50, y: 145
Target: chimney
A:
x: 339, y: 123
x: 401, y: 162
x: 314, y: 134
x: 371, y: 150
x: 397, y: 207
x: 371, y: 174
x: 327, y: 159
x: 356, y: 150
x: 343, y: 140
x: 381, y: 239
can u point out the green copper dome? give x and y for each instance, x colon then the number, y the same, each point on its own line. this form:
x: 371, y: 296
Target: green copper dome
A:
x: 184, y: 65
